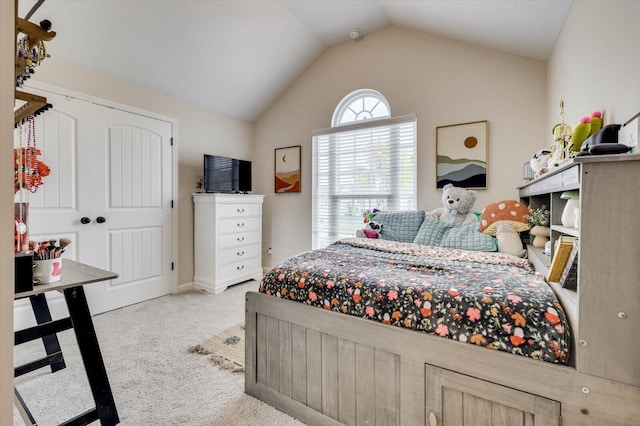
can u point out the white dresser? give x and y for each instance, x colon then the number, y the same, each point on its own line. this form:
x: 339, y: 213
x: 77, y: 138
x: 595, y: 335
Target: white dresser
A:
x: 227, y: 240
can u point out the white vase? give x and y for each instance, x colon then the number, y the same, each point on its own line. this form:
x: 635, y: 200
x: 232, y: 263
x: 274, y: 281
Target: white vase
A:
x: 568, y: 218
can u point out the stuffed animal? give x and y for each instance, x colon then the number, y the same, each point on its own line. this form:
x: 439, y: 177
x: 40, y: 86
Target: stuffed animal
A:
x: 458, y: 203
x: 539, y: 162
x: 596, y: 122
x: 368, y: 215
x: 580, y: 133
x: 371, y: 230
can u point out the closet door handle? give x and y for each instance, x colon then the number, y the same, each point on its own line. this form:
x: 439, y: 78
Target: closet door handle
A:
x: 101, y: 219
x: 85, y: 220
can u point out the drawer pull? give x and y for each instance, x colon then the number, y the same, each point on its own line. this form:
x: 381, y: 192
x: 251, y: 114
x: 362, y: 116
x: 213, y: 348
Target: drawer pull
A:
x: 433, y: 420
x: 240, y: 268
x: 240, y: 210
x: 240, y: 253
x: 241, y: 225
x: 241, y: 239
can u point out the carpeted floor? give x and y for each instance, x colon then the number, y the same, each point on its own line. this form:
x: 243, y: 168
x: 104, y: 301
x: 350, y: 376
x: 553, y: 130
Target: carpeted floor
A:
x: 154, y: 379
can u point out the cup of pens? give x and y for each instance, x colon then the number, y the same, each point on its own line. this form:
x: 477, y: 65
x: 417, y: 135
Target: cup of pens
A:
x: 47, y: 271
x: 47, y: 261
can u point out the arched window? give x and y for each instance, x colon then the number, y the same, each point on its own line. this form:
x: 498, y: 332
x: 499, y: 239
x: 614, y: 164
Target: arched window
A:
x: 362, y: 104
x: 365, y: 161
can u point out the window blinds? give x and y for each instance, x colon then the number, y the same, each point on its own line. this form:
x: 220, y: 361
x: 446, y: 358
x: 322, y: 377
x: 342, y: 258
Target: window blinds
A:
x: 360, y: 166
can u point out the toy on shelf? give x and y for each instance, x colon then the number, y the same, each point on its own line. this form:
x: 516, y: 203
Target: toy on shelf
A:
x: 561, y: 135
x: 540, y: 161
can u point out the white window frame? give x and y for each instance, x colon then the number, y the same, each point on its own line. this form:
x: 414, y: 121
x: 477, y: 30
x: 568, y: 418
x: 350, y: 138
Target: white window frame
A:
x: 347, y: 104
x: 327, y: 218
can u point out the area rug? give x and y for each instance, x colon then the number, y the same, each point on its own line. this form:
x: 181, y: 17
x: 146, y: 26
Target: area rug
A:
x: 225, y: 349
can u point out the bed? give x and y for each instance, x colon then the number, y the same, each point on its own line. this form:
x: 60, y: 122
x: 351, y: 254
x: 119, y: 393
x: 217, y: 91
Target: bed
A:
x: 371, y: 331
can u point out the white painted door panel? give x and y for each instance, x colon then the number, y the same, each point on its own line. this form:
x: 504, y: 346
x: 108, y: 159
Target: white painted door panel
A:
x: 134, y: 198
x: 56, y: 207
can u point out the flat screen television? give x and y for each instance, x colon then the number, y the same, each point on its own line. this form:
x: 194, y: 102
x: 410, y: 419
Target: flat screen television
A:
x: 224, y: 174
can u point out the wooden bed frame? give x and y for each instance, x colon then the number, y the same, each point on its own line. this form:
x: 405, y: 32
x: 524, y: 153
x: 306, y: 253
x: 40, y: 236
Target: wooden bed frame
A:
x: 371, y: 373
x: 328, y: 368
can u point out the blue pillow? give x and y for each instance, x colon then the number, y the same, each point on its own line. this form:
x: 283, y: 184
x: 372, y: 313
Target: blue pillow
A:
x: 431, y: 231
x: 400, y: 226
x: 468, y: 237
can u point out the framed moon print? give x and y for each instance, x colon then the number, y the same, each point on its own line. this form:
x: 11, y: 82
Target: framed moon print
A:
x: 287, y: 169
x: 461, y: 155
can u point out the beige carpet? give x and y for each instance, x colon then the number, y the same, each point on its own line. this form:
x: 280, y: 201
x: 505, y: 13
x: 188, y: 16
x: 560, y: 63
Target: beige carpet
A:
x: 225, y: 349
x: 155, y: 382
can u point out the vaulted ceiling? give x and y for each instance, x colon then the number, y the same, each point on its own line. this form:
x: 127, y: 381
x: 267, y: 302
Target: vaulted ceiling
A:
x: 237, y: 57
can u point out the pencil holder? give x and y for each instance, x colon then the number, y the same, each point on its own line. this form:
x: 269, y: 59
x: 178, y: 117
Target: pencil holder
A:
x: 47, y: 271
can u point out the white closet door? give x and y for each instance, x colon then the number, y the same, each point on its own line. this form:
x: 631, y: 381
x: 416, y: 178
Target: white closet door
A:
x: 56, y: 207
x: 132, y: 192
x: 112, y: 164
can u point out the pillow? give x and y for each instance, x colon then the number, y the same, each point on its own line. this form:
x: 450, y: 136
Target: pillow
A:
x: 387, y: 233
x: 431, y: 231
x: 468, y: 237
x: 400, y: 226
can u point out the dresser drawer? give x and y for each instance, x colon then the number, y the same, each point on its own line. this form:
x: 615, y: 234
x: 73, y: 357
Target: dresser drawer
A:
x: 236, y: 254
x: 238, y: 268
x: 242, y: 224
x: 238, y: 239
x: 238, y: 210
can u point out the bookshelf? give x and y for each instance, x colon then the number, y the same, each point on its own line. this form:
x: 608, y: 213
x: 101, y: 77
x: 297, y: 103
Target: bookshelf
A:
x: 603, y: 308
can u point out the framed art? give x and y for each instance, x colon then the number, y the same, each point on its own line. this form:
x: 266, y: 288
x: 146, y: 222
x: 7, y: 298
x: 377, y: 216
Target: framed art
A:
x: 287, y: 169
x: 461, y: 155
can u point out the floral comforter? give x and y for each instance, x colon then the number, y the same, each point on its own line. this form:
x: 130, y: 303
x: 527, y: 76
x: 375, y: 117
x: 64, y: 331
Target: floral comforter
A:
x: 487, y: 299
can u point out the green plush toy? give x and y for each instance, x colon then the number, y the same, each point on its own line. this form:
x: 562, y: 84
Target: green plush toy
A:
x: 580, y: 133
x: 596, y: 122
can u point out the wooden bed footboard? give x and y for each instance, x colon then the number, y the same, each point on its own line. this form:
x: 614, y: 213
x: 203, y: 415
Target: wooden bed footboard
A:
x: 326, y: 368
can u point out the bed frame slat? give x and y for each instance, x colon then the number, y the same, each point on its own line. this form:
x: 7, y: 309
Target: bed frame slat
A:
x: 346, y: 382
x: 299, y: 363
x: 365, y: 379
x: 314, y: 373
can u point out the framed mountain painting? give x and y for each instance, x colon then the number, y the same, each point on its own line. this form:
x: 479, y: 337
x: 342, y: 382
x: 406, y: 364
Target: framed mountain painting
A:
x: 287, y: 169
x: 461, y: 155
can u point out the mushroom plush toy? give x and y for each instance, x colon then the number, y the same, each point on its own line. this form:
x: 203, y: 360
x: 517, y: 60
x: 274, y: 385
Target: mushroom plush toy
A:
x: 504, y: 220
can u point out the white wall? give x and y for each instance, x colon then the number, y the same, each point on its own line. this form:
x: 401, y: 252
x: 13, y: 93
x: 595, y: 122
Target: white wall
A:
x: 440, y: 80
x: 596, y: 63
x: 199, y: 131
x: 7, y: 86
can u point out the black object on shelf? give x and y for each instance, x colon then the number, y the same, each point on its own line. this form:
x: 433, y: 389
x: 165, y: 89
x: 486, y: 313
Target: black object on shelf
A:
x: 23, y: 272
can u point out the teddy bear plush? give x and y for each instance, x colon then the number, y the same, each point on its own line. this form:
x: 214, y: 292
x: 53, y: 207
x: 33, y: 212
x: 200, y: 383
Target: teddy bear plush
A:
x: 371, y: 230
x: 458, y: 203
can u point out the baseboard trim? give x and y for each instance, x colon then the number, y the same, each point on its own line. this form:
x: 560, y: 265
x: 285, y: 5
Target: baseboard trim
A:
x: 184, y: 287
